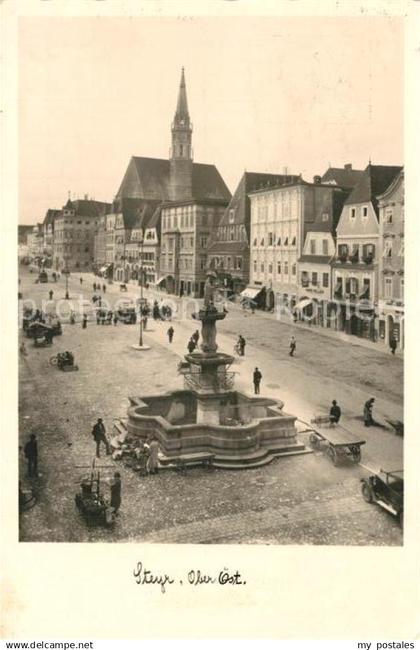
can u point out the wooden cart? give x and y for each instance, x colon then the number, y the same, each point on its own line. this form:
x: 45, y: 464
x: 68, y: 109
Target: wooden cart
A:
x: 339, y: 443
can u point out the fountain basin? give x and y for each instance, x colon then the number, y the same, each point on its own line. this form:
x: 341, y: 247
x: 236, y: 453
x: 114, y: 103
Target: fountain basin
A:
x: 249, y: 430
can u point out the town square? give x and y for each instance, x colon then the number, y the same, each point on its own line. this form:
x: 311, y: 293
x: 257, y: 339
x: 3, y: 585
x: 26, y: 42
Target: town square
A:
x: 209, y: 361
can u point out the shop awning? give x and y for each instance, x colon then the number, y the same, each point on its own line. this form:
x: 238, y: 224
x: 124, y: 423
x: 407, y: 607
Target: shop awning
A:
x: 161, y: 280
x: 303, y: 303
x: 251, y: 292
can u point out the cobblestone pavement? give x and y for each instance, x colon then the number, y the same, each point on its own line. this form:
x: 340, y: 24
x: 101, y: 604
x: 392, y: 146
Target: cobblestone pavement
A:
x: 295, y: 500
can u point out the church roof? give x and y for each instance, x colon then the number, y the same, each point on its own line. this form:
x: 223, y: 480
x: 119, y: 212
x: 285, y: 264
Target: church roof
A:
x: 148, y: 178
x: 137, y: 213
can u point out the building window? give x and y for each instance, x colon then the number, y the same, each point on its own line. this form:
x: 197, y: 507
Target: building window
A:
x: 402, y: 288
x: 255, y: 266
x: 388, y: 215
x: 325, y: 280
x: 270, y: 268
x: 325, y: 216
x: 279, y: 268
x: 270, y: 238
x: 325, y: 246
x: 279, y: 241
x: 364, y: 211
x: 293, y: 241
x: 231, y: 215
x: 401, y: 252
x: 286, y: 268
x: 255, y: 241
x: 314, y: 279
x: 352, y: 213
x: 229, y: 261
x: 293, y: 269
x: 312, y: 245
x: 388, y: 287
x: 262, y: 267
x: 286, y: 241
x: 239, y: 263
x: 304, y: 279
x: 262, y: 242
x: 388, y: 248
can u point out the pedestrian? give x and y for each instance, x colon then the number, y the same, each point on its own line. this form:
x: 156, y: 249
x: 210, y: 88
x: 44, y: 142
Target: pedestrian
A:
x: 22, y: 349
x: 51, y: 293
x: 393, y: 344
x: 99, y: 301
x: 292, y: 346
x: 152, y: 461
x: 170, y: 334
x: 191, y: 346
x: 115, y: 319
x: 81, y: 280
x: 195, y: 337
x: 84, y: 321
x: 241, y: 345
x: 94, y: 286
x: 104, y: 288
x: 257, y: 376
x: 367, y: 412
x: 335, y: 412
x: 115, y: 486
x: 144, y: 321
x: 98, y: 317
x: 31, y: 454
x: 72, y: 317
x: 99, y: 435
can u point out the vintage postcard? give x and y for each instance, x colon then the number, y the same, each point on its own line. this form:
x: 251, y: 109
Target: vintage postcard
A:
x: 210, y: 353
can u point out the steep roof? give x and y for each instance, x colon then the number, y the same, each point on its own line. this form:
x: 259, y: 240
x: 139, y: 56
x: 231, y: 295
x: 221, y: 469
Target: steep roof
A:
x: 373, y: 182
x: 136, y: 212
x: 88, y: 207
x: 50, y: 215
x: 182, y: 106
x: 346, y: 177
x: 148, y: 178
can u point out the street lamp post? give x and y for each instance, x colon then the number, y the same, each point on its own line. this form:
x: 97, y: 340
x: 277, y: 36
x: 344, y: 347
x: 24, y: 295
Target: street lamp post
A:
x: 141, y: 345
x: 66, y: 271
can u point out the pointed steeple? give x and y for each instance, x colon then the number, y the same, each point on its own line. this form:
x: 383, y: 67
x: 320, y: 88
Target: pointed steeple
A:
x: 181, y: 151
x: 181, y: 112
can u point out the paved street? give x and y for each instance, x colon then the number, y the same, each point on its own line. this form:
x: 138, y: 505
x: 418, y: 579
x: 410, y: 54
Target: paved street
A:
x: 296, y: 500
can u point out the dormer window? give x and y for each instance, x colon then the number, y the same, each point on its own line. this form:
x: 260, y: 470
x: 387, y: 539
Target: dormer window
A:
x: 231, y: 215
x: 352, y: 213
x: 364, y: 212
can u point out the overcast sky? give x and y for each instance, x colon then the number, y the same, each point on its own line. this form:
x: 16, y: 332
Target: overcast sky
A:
x: 263, y: 94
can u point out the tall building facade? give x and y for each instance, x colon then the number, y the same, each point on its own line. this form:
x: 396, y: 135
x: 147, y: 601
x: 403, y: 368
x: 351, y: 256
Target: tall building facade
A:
x: 391, y: 262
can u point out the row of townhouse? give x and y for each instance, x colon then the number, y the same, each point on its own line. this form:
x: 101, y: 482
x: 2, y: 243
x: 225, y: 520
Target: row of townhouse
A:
x: 332, y: 251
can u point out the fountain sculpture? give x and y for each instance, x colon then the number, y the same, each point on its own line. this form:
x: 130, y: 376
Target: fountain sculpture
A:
x: 208, y: 418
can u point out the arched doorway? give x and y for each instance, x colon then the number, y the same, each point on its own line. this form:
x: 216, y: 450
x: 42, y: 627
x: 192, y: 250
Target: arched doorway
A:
x: 170, y: 284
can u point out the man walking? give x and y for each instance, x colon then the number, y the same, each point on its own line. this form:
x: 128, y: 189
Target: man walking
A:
x: 367, y: 412
x: 84, y: 322
x: 393, y: 344
x: 292, y: 346
x: 31, y: 454
x: 170, y: 334
x: 115, y: 487
x: 104, y: 288
x: 195, y: 337
x: 51, y: 293
x: 99, y: 435
x: 191, y: 346
x: 257, y: 380
x: 241, y: 345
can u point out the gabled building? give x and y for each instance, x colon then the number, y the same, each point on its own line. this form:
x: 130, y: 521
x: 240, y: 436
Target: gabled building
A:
x: 391, y: 262
x: 355, y: 266
x: 48, y: 230
x: 228, y: 252
x: 132, y: 224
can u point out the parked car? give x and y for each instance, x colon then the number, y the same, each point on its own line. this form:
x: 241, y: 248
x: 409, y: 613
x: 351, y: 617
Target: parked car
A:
x: 387, y: 490
x: 127, y: 313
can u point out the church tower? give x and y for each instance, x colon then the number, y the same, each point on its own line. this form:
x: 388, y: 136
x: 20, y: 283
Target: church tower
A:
x: 181, y: 160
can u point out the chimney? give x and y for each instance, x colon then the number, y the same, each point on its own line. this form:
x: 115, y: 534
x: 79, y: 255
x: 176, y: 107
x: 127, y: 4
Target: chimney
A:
x: 348, y: 167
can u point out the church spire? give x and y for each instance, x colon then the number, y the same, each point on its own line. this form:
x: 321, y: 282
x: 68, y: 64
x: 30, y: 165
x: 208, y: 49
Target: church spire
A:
x: 181, y: 164
x: 182, y: 105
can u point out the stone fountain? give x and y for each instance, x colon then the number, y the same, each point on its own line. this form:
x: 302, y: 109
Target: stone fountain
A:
x: 208, y: 418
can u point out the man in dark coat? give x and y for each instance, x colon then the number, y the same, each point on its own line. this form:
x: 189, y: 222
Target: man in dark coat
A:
x: 170, y: 334
x: 31, y: 454
x: 257, y: 380
x: 241, y: 344
x: 196, y: 336
x: 115, y: 486
x: 393, y: 344
x: 292, y: 346
x: 98, y: 433
x: 191, y: 346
